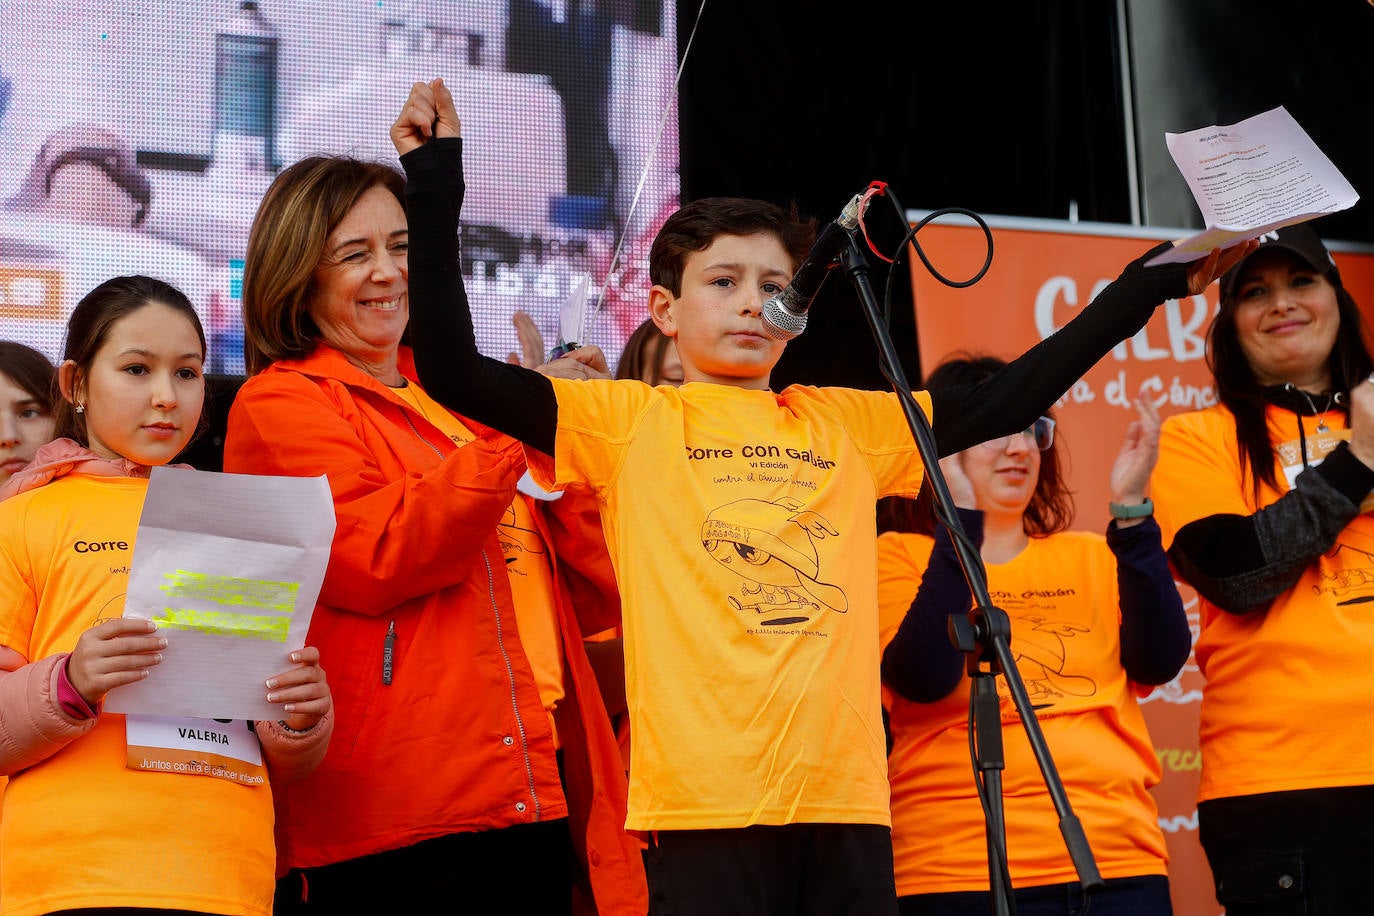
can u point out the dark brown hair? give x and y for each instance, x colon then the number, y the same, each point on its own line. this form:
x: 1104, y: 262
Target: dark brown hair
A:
x: 90, y: 324
x: 1241, y: 392
x: 30, y: 370
x: 303, y: 206
x: 642, y: 358
x: 1051, y: 505
x: 699, y: 223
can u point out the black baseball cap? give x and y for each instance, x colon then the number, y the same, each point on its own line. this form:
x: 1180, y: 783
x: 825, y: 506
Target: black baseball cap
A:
x: 1302, y: 241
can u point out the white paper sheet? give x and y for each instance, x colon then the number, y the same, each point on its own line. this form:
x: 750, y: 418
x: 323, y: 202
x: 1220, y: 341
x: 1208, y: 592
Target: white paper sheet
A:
x: 572, y: 317
x: 229, y: 566
x: 1253, y: 177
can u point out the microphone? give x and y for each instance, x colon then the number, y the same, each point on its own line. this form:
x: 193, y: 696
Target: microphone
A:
x: 784, y: 315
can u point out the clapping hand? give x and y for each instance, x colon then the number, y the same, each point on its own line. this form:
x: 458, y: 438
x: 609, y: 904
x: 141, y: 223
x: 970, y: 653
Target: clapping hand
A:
x: 960, y: 487
x: 1130, y: 476
x: 587, y: 361
x: 531, y: 354
x: 1362, y: 420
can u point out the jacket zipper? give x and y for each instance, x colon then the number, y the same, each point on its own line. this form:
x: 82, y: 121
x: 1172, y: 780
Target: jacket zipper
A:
x: 510, y: 679
x: 501, y: 644
x: 388, y: 652
x: 411, y: 424
x: 389, y: 640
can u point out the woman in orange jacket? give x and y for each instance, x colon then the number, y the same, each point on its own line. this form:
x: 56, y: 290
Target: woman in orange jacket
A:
x: 461, y: 685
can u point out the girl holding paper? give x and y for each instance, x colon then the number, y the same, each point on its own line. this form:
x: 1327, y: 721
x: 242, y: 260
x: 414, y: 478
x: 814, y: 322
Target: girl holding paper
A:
x: 146, y: 826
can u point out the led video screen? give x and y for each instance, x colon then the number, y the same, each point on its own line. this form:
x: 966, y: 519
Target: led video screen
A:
x: 138, y: 136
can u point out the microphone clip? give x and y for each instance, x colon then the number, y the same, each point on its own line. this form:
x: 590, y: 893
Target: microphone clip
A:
x: 784, y: 315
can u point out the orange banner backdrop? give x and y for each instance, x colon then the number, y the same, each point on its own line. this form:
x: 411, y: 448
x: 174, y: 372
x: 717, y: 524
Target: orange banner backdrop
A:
x: 1043, y: 273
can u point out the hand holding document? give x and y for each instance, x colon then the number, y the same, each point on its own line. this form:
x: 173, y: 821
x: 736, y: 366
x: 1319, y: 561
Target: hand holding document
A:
x: 229, y: 567
x: 572, y: 319
x: 1253, y: 177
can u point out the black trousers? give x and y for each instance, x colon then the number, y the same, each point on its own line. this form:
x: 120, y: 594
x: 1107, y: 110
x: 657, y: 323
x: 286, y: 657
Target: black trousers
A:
x: 1307, y: 852
x: 788, y: 870
x: 1147, y: 895
x: 528, y: 868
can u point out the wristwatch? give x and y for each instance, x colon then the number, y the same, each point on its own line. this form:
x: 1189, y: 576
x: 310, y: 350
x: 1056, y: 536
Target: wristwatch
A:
x: 1120, y: 511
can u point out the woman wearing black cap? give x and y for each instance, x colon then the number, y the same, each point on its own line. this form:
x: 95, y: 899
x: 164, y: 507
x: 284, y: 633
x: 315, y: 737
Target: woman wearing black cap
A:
x: 1263, y: 499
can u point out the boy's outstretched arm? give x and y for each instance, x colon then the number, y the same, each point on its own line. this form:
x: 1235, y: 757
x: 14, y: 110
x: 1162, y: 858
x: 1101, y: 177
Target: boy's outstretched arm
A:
x: 1013, y: 398
x: 518, y: 401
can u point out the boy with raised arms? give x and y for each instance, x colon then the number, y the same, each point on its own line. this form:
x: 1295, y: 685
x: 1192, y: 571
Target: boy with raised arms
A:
x: 740, y: 522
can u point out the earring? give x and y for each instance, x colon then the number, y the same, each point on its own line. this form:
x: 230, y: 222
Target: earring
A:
x: 80, y: 408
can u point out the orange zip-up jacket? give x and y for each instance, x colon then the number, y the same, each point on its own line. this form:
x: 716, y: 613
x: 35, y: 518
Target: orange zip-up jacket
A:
x: 459, y: 740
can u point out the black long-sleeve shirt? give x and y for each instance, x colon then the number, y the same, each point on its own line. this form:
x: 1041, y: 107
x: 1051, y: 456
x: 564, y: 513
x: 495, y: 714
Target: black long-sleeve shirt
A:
x: 521, y: 402
x: 1241, y: 563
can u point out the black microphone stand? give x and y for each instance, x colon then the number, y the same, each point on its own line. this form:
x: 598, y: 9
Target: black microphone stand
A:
x: 984, y: 637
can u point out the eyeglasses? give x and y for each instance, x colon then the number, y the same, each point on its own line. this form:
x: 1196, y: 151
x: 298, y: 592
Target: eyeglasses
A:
x: 1041, y: 432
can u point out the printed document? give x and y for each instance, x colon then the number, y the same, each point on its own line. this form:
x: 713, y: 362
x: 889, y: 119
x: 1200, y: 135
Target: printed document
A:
x: 229, y: 567
x: 1253, y: 177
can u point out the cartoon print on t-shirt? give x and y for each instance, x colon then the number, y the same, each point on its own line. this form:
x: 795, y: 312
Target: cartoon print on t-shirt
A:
x: 772, y: 546
x: 517, y: 543
x: 1042, y: 644
x: 1042, y: 655
x: 1352, y: 582
x: 112, y: 609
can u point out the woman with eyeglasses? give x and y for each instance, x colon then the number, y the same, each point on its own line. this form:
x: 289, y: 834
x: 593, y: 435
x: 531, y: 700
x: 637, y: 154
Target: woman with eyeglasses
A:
x: 1094, y: 622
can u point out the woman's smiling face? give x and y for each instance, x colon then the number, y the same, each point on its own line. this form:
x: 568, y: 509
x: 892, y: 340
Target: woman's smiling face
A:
x: 1287, y: 319
x: 360, y: 299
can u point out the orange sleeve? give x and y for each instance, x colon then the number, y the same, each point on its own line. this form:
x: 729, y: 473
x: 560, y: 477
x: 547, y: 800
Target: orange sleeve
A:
x: 1198, y: 474
x: 398, y: 535
x: 583, y: 559
x: 902, y: 560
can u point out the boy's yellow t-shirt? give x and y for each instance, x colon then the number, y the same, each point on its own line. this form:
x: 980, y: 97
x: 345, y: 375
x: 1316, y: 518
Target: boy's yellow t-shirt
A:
x: 741, y: 524
x: 1286, y: 704
x: 1061, y: 595
x: 81, y: 829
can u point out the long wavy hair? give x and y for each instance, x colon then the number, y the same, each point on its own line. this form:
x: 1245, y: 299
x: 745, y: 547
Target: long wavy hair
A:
x: 1051, y: 505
